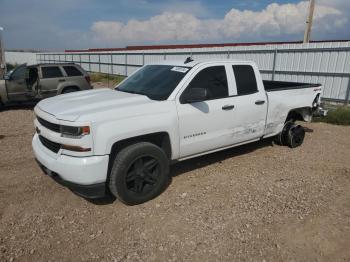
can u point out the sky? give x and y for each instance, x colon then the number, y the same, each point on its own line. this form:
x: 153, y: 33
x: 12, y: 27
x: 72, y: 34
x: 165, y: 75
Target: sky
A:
x: 78, y: 24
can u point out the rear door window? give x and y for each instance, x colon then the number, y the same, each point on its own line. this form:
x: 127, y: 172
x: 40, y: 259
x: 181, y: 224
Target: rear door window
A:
x: 214, y: 80
x: 72, y: 71
x: 51, y: 72
x: 245, y: 79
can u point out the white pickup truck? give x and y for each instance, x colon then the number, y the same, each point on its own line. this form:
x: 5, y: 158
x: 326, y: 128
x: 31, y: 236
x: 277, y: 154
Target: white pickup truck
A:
x: 122, y: 141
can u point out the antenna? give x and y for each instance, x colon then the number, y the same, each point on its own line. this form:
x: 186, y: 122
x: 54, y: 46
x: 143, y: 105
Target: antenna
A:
x: 309, y: 21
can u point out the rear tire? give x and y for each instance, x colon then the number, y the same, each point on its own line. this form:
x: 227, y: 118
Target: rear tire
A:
x: 69, y: 90
x: 282, y: 138
x: 296, y: 135
x: 292, y: 135
x: 140, y: 172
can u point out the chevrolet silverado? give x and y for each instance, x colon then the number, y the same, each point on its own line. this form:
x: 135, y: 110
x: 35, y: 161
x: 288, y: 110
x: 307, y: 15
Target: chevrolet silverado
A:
x: 122, y: 141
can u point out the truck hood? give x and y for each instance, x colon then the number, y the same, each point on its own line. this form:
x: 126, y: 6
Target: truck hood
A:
x: 92, y: 104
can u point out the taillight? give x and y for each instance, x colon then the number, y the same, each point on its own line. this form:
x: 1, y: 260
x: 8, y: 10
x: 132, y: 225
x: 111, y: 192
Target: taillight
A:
x: 88, y: 79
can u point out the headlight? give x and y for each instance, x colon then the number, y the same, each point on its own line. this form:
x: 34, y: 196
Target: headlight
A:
x: 74, y: 131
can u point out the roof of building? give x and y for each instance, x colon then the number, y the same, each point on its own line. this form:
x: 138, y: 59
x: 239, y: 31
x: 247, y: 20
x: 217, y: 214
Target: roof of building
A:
x: 157, y: 47
x: 194, y: 62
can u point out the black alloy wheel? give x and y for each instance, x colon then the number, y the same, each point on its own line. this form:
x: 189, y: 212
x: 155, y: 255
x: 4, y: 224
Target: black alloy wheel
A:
x: 296, y: 135
x: 139, y: 173
x: 143, y: 175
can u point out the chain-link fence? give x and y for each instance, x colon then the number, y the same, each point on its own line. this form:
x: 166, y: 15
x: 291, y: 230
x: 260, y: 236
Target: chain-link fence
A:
x: 327, y: 63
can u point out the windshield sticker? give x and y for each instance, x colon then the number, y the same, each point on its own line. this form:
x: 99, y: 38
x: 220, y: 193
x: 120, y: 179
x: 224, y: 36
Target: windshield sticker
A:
x: 179, y: 69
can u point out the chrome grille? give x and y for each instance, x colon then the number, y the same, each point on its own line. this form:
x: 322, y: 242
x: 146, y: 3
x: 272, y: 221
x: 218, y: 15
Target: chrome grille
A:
x: 53, y: 146
x: 48, y: 125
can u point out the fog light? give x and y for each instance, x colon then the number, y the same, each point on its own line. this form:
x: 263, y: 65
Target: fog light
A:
x: 75, y: 148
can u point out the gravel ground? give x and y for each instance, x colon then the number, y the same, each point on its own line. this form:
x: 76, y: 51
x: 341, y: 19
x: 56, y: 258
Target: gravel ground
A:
x: 258, y: 202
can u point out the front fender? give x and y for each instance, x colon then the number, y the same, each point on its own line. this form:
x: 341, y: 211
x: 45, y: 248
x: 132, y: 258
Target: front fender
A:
x: 108, y: 133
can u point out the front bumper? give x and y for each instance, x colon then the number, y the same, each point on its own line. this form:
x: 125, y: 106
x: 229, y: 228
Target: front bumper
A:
x: 84, y: 175
x: 87, y: 191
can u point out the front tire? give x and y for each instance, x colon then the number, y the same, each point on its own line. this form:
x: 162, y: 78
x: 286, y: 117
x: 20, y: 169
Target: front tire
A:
x: 140, y: 172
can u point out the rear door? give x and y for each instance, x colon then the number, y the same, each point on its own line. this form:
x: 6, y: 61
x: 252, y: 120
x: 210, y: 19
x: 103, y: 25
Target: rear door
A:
x: 51, y: 76
x: 204, y: 126
x: 250, y: 106
x: 16, y: 85
x: 75, y: 76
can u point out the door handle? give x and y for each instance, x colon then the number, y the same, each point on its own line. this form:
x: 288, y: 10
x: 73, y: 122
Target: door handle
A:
x: 228, y: 107
x: 260, y: 102
x: 61, y: 80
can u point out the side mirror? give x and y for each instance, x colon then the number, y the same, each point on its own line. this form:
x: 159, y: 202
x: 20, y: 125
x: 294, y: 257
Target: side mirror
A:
x: 194, y: 95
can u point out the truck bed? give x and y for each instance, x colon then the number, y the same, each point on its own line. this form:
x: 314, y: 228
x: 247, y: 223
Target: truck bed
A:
x: 281, y: 85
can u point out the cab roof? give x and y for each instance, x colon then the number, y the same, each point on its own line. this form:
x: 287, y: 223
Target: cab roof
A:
x: 195, y: 62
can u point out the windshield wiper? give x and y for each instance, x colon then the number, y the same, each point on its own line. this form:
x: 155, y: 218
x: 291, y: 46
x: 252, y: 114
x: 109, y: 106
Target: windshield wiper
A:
x: 129, y: 91
x: 133, y: 92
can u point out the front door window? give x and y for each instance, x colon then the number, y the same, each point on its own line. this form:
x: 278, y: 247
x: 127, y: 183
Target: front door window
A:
x: 19, y: 73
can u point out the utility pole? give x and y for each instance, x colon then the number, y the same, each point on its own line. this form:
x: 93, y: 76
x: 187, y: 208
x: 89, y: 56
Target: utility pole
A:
x: 2, y: 55
x: 309, y: 22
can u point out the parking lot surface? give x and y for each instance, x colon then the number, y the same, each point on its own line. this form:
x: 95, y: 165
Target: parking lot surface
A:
x: 258, y: 202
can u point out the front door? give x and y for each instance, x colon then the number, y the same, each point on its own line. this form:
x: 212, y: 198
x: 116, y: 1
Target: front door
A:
x: 16, y: 84
x: 204, y: 126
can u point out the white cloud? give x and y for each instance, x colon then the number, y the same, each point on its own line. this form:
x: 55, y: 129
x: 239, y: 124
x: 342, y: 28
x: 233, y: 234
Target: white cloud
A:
x: 195, y: 7
x: 339, y: 4
x: 275, y: 21
x: 167, y: 26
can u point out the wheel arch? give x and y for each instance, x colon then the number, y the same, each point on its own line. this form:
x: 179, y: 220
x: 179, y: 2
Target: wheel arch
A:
x: 160, y: 139
x: 301, y: 114
x: 62, y: 88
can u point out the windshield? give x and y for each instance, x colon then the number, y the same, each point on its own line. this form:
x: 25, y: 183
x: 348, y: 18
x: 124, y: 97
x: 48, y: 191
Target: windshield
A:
x: 10, y: 72
x: 154, y: 81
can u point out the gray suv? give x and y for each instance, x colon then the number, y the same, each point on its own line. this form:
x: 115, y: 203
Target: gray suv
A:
x: 35, y: 82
